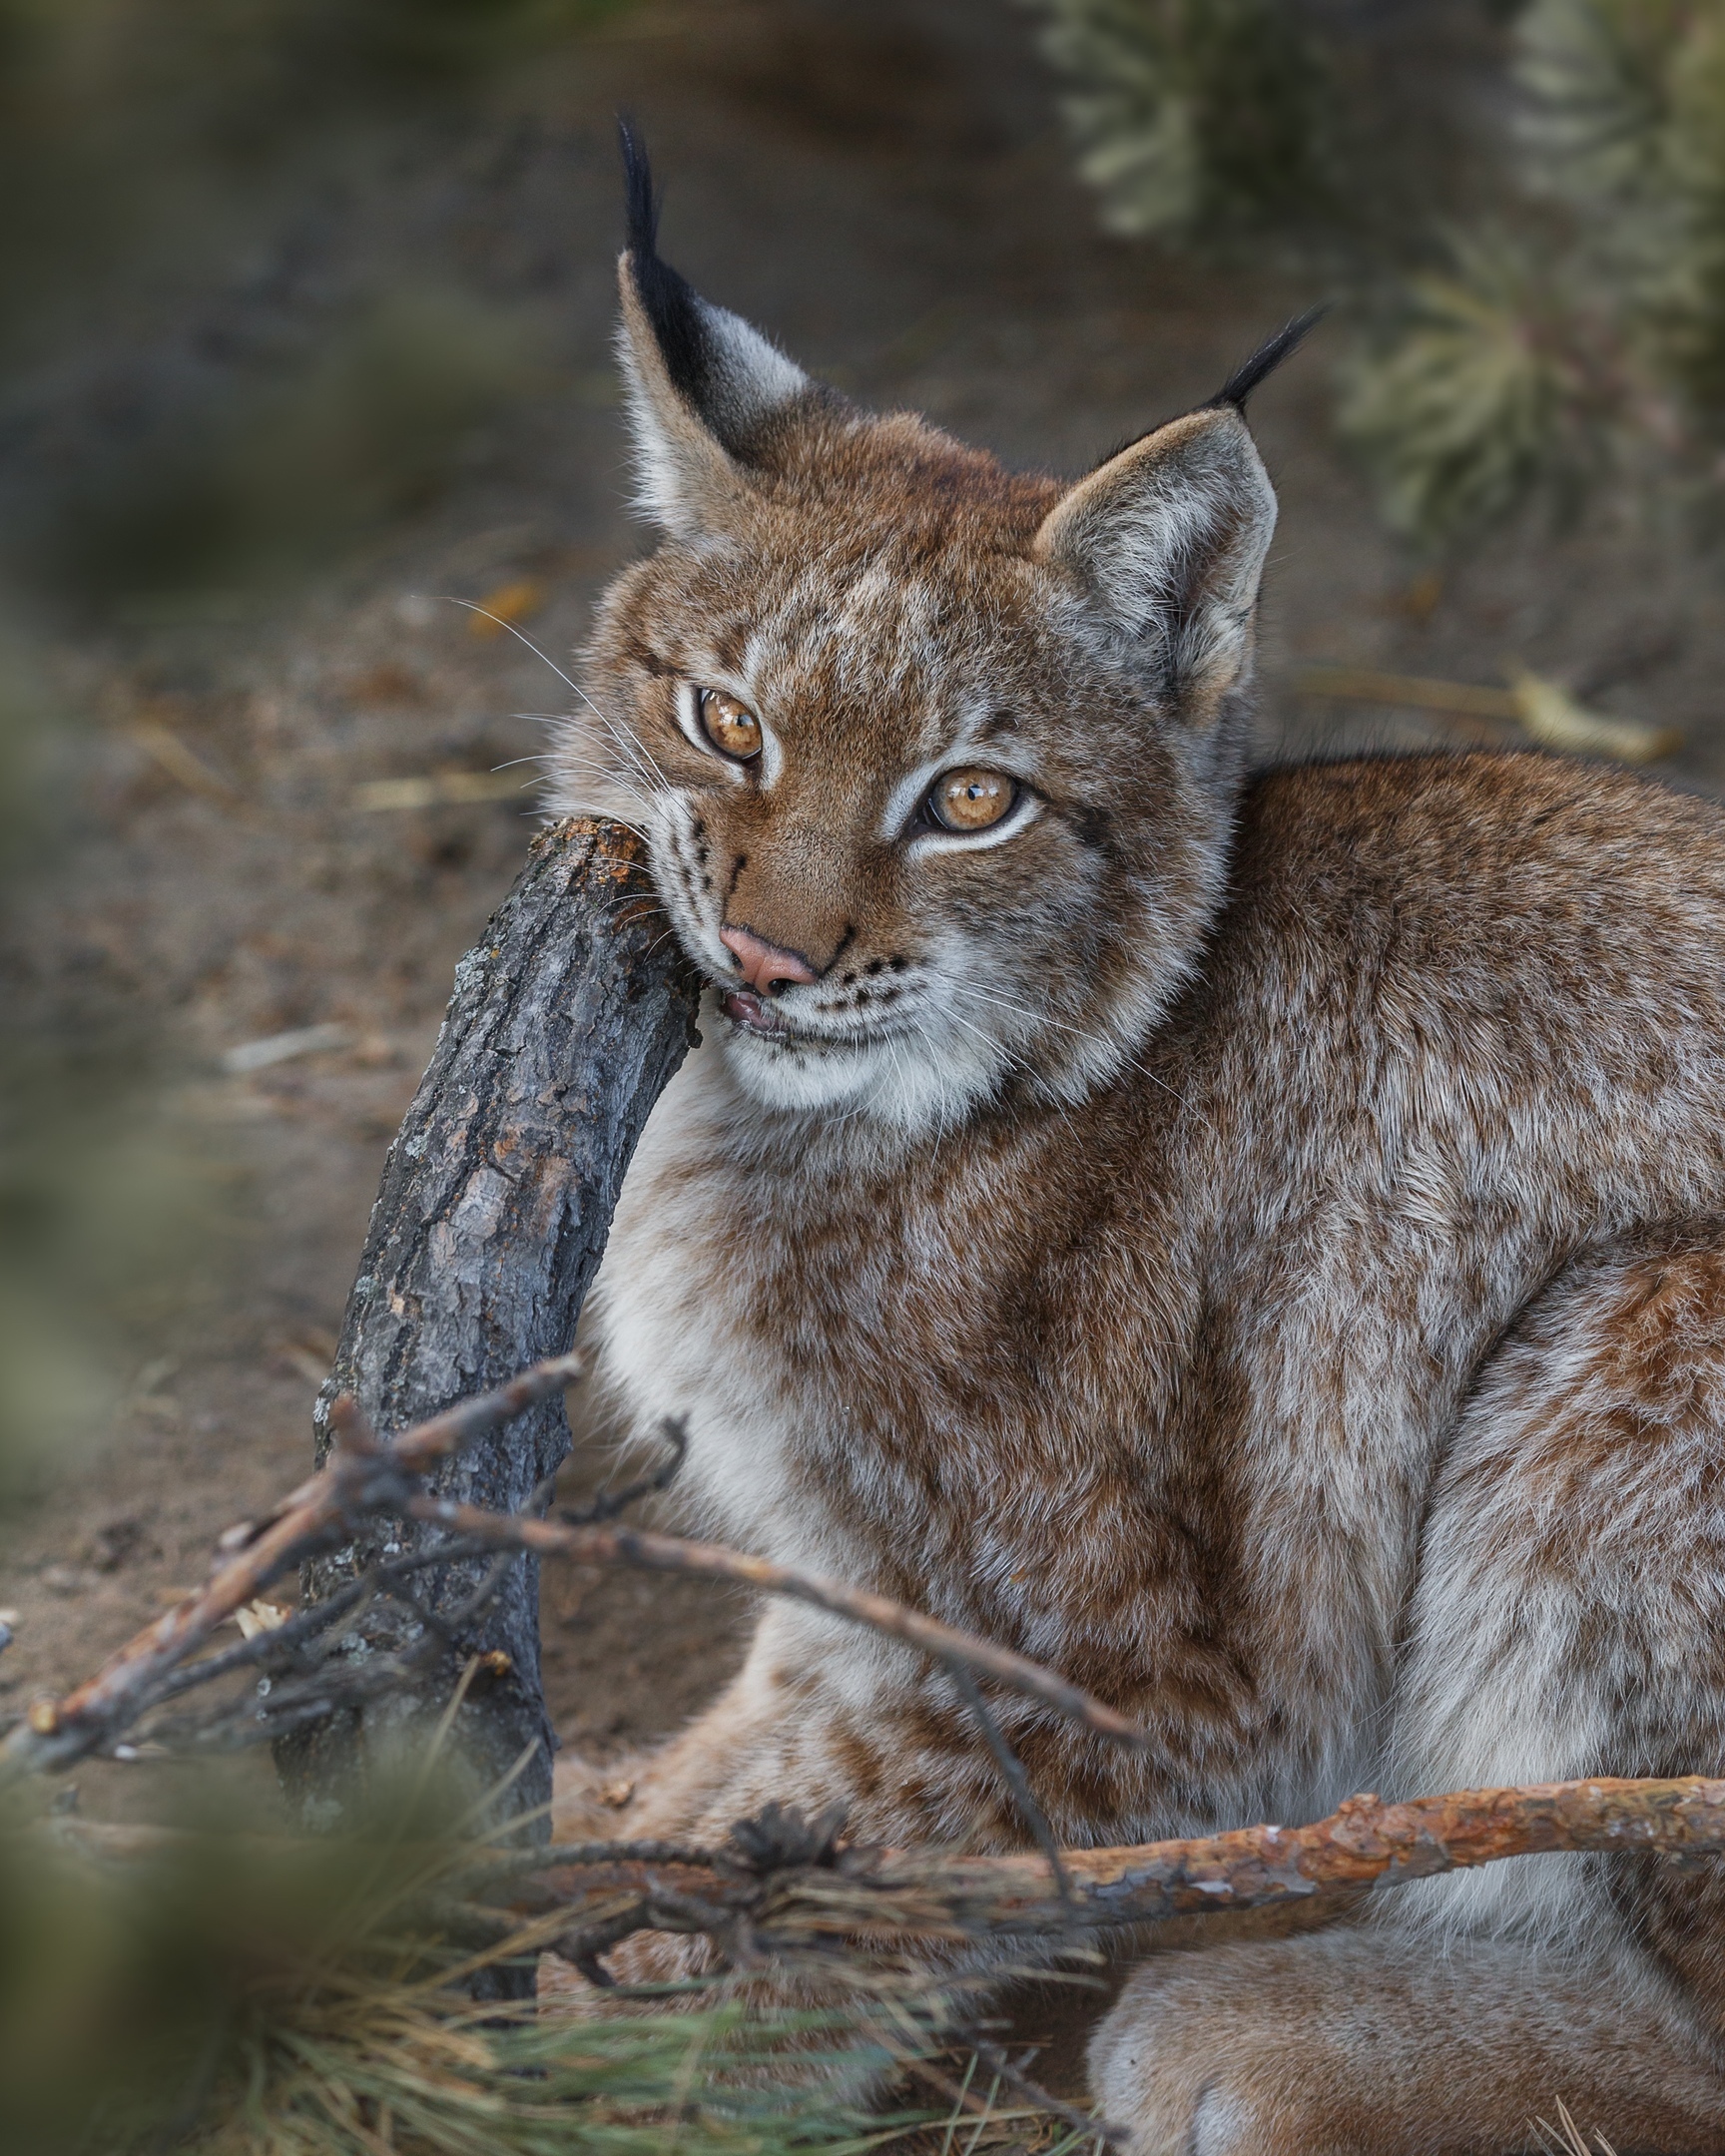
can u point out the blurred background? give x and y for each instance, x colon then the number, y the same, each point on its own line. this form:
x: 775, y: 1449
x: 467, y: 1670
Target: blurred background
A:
x: 306, y: 338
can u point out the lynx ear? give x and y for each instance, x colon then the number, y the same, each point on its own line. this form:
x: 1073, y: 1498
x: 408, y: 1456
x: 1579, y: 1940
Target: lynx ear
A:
x: 702, y: 384
x: 1168, y: 539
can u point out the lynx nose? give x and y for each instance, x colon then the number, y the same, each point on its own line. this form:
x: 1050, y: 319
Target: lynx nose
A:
x: 765, y: 967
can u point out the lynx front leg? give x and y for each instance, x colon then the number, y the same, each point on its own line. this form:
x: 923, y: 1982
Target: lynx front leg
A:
x: 818, y: 1715
x: 1568, y: 1620
x: 1367, y: 2043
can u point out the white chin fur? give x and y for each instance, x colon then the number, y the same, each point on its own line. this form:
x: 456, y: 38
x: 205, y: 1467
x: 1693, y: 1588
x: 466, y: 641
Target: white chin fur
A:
x: 902, y: 1083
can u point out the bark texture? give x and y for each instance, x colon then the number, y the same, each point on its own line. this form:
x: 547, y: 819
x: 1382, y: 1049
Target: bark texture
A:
x: 567, y: 1020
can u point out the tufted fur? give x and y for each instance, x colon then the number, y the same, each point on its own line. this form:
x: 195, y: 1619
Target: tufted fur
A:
x: 1253, y: 1244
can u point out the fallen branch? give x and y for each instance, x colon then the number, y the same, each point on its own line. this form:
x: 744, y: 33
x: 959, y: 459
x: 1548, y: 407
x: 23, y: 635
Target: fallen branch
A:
x: 917, y: 1897
x: 1371, y: 685
x: 364, y: 1478
x: 360, y: 1479
x: 891, y: 1898
x: 1542, y: 708
x: 648, y: 1552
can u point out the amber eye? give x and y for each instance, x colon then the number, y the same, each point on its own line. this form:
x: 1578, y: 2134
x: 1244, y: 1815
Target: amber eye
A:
x: 734, y: 731
x: 970, y: 799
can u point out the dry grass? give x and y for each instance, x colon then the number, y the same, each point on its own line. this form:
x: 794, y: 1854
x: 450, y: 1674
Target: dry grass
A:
x: 233, y: 1998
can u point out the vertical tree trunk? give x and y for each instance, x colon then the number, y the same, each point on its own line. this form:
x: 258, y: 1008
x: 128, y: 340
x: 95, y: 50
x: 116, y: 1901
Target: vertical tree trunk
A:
x: 567, y: 1020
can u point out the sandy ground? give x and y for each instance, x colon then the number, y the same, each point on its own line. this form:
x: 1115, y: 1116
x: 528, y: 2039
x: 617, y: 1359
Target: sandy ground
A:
x: 884, y: 188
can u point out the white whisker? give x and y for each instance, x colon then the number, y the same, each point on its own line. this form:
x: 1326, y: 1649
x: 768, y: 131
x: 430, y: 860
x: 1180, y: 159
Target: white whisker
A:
x: 635, y: 757
x: 609, y: 777
x: 1040, y: 1017
x: 474, y: 608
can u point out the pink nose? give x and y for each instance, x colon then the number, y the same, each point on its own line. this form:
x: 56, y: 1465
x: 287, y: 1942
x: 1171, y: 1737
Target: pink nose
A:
x: 765, y: 967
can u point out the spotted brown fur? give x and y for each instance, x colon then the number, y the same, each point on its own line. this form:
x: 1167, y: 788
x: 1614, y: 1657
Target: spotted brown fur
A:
x: 1272, y: 1270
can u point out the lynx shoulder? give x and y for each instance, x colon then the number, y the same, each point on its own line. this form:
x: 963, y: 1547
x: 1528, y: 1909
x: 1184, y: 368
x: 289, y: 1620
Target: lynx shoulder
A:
x: 1253, y: 1242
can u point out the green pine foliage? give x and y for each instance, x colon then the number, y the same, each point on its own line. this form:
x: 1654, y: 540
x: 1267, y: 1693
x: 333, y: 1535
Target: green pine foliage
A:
x: 1586, y: 352
x: 1194, y: 117
x: 1572, y: 345
x: 231, y: 1994
x: 1467, y: 408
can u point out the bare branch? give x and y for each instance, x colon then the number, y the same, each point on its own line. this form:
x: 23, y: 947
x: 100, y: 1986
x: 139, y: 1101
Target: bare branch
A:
x: 1013, y: 1774
x: 360, y: 1479
x: 314, y: 1621
x: 932, y: 1896
x: 887, y: 1898
x: 1016, y: 2079
x: 611, y: 1504
x: 603, y: 1544
x: 366, y: 1477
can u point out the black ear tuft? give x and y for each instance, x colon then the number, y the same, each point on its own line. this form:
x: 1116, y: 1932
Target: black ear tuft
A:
x: 671, y: 304
x: 1268, y: 356
x: 641, y: 210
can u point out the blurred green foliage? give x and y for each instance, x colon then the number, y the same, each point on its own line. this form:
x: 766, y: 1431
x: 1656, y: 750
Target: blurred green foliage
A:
x: 272, y: 476
x: 51, y: 1387
x: 1195, y: 118
x: 1588, y: 352
x: 229, y: 1994
x: 148, y: 145
x: 1569, y: 344
x: 127, y: 126
x: 180, y: 418
x: 1465, y: 407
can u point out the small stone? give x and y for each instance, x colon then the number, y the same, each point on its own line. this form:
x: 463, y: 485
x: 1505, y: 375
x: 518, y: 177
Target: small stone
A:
x: 116, y: 1543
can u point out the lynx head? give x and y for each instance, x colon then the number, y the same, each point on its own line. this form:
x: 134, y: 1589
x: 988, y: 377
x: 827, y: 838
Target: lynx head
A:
x: 935, y: 762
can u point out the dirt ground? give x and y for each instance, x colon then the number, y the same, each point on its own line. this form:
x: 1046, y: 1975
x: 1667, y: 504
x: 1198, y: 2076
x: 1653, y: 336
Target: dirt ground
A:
x: 883, y: 184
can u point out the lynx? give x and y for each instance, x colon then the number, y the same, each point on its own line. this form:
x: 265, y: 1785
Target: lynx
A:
x: 1253, y: 1241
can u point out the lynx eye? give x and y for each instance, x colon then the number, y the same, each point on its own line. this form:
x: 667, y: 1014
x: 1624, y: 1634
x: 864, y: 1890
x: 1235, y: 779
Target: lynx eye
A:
x: 970, y: 799
x: 734, y: 731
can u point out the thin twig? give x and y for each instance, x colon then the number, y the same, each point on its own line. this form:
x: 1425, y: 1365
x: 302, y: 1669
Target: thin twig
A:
x: 366, y: 1476
x: 322, y: 1691
x: 359, y: 1478
x: 957, y: 2093
x: 1033, y: 2092
x: 1013, y: 1772
x: 600, y: 1544
x: 611, y: 1504
x: 316, y: 1619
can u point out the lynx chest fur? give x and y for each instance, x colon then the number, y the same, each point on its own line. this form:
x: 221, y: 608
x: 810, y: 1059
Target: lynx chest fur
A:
x: 1253, y: 1243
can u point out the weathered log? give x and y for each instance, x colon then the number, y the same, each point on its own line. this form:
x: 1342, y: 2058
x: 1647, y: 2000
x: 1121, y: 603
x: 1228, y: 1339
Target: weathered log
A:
x: 567, y: 1020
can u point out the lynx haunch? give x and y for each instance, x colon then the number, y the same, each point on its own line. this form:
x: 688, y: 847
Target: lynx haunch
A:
x: 1254, y: 1241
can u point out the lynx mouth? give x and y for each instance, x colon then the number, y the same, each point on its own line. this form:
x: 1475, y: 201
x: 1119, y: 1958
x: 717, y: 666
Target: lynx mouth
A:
x: 753, y: 1015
